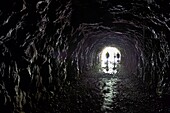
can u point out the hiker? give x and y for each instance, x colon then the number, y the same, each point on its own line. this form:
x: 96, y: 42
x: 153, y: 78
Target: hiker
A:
x: 107, y: 55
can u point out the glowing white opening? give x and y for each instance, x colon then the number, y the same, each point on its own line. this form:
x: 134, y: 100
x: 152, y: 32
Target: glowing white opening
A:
x: 110, y: 59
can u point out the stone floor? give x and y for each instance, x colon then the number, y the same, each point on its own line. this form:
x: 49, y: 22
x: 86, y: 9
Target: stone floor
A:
x: 98, y: 92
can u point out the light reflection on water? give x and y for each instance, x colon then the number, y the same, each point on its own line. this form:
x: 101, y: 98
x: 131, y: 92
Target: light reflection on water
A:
x: 110, y: 68
x: 109, y: 91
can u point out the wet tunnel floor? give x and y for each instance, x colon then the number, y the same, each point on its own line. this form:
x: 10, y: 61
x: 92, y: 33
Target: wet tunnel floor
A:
x: 106, y: 93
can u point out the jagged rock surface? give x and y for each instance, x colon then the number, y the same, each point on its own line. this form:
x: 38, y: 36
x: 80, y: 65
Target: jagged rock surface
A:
x: 46, y: 46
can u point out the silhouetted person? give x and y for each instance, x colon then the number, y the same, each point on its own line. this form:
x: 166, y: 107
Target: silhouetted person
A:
x: 107, y: 55
x: 118, y: 55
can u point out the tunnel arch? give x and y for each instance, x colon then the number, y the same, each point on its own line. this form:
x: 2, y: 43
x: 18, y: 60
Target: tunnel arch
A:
x: 95, y: 37
x: 50, y: 47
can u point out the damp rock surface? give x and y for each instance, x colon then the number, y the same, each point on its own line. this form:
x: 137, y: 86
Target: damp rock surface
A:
x: 47, y: 48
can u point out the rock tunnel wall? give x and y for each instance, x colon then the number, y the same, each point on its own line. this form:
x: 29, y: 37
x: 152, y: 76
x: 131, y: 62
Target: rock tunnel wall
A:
x: 46, y: 45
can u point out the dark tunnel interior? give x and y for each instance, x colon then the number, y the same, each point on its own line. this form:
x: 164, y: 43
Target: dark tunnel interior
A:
x: 52, y: 58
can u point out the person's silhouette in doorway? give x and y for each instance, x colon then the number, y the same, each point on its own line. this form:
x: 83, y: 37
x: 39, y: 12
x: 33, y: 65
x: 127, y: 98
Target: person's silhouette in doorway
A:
x: 107, y: 66
x: 107, y: 55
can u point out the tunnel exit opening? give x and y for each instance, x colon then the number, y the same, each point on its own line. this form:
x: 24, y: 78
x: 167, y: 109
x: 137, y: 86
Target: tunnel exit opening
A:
x: 110, y: 60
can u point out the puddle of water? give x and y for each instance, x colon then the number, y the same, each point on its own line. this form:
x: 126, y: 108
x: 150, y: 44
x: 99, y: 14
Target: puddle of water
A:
x: 110, y: 68
x: 109, y: 91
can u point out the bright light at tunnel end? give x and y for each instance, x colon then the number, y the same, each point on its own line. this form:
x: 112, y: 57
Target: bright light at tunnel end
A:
x: 110, y: 60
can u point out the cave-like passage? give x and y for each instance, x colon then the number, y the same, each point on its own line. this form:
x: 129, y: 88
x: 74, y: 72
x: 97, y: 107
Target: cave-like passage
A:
x: 51, y: 51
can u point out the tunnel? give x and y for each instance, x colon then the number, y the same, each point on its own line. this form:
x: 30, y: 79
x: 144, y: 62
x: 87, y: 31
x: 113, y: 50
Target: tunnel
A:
x: 85, y: 56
